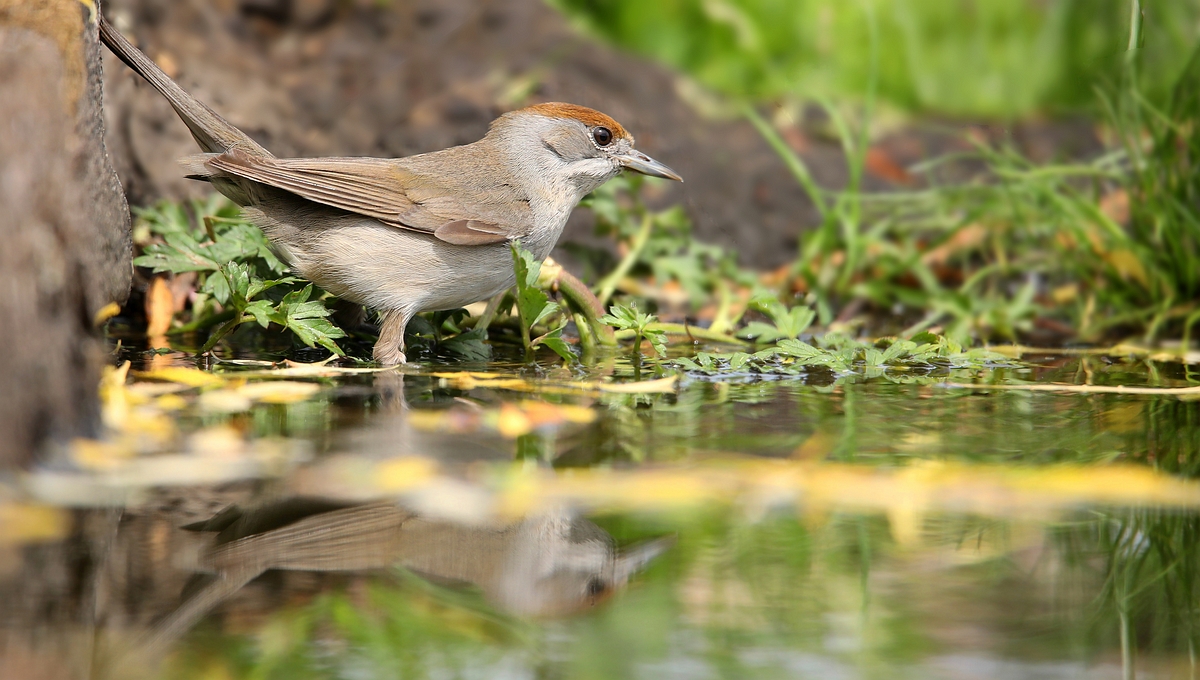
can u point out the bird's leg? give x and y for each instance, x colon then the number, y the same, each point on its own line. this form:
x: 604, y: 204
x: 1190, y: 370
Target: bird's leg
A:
x: 389, y: 349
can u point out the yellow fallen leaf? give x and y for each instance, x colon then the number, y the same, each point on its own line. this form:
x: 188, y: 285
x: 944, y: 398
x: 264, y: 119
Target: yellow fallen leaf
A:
x: 21, y: 524
x: 1128, y: 265
x: 144, y: 391
x: 191, y: 377
x: 1064, y: 294
x: 160, y: 308
x: 402, y: 474
x: 98, y: 455
x: 512, y: 422
x: 965, y: 239
x: 542, y: 413
x: 279, y: 391
x: 105, y: 313
x: 817, y: 446
x: 114, y: 398
x: 218, y: 441
x: 645, y: 387
x: 316, y: 370
x: 171, y: 402
x: 905, y: 521
x: 223, y: 401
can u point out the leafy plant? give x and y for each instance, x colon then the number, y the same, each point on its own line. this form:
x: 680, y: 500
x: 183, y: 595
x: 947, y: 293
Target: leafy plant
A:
x: 624, y: 317
x: 843, y: 356
x: 239, y: 278
x: 307, y: 319
x: 785, y: 322
x: 443, y: 332
x: 534, y: 306
x: 658, y: 245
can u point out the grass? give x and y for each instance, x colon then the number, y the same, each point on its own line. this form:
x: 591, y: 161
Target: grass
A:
x: 989, y: 58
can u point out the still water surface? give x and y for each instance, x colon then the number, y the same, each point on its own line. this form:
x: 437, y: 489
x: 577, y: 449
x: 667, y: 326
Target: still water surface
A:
x: 536, y: 522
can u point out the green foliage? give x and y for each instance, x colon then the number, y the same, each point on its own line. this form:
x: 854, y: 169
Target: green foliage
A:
x: 658, y: 244
x: 443, y: 333
x: 627, y: 317
x: 307, y: 319
x: 785, y: 323
x: 239, y: 277
x: 981, y: 58
x: 1163, y: 183
x: 843, y: 356
x: 534, y: 306
x: 224, y: 237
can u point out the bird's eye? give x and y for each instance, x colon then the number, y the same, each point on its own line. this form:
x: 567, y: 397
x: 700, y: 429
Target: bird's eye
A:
x: 602, y: 135
x: 595, y: 587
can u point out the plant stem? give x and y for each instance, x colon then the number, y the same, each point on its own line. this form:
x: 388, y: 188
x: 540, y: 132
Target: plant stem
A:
x: 489, y: 312
x: 1135, y: 30
x: 223, y: 330
x: 790, y: 158
x: 609, y: 284
x: 580, y: 298
x: 204, y: 322
x: 587, y: 339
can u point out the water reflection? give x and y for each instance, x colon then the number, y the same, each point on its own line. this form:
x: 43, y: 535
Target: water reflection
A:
x: 861, y: 529
x: 552, y: 564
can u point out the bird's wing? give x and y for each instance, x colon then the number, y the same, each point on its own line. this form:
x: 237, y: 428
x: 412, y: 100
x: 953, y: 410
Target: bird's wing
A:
x: 374, y: 187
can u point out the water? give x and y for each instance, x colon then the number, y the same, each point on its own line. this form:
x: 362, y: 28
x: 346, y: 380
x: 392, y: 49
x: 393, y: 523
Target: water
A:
x: 534, y: 523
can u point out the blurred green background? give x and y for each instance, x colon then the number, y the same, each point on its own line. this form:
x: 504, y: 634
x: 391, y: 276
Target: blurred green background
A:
x: 975, y: 58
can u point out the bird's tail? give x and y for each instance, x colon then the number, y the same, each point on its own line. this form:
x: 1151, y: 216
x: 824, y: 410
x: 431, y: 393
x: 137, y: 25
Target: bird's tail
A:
x: 213, y: 133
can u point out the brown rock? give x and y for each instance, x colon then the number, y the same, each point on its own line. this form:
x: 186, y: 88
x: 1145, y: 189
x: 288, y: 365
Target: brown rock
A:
x: 65, y: 230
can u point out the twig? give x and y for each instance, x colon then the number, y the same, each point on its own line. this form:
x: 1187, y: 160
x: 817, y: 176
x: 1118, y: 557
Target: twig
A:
x: 1084, y: 389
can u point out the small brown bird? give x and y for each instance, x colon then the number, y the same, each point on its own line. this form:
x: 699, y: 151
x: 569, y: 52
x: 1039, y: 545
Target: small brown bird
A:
x: 407, y: 235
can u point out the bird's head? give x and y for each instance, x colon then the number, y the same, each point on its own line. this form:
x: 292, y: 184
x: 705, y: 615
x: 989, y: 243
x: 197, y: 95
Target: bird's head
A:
x: 573, y: 143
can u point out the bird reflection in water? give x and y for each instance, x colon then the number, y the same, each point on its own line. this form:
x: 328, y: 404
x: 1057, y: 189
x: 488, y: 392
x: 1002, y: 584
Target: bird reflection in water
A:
x: 548, y: 565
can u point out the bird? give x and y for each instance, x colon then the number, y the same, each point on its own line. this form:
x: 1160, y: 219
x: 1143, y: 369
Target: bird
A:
x: 420, y: 233
x: 549, y: 564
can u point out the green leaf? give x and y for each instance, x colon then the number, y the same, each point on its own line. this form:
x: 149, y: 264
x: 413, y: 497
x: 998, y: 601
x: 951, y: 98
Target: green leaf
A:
x: 470, y: 346
x: 739, y: 360
x: 658, y: 340
x: 533, y: 304
x: 257, y: 286
x: 261, y: 310
x: 308, y: 320
x: 216, y: 285
x: 178, y: 255
x: 799, y: 319
x: 760, y: 332
x: 801, y: 350
x: 900, y: 349
x: 554, y: 341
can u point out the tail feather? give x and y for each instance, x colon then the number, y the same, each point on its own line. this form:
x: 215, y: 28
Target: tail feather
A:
x: 196, y: 166
x: 213, y: 133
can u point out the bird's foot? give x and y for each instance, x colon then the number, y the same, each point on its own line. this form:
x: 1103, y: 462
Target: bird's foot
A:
x: 389, y: 349
x: 389, y: 356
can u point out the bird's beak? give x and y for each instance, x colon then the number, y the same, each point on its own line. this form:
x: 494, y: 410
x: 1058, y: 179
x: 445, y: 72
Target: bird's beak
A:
x: 640, y: 162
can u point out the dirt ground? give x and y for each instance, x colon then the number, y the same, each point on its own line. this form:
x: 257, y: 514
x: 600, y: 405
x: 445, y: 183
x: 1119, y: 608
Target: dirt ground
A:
x: 397, y: 77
